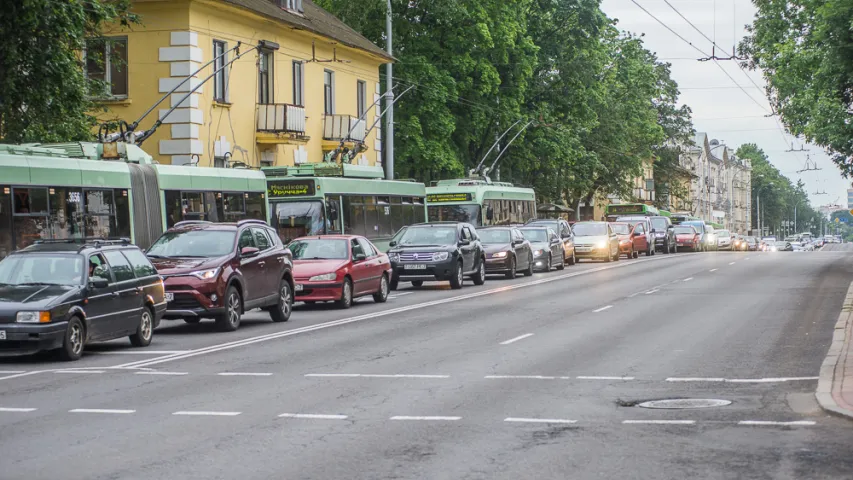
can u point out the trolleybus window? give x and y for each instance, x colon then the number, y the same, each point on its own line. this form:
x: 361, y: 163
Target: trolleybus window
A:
x: 298, y: 219
x: 455, y: 213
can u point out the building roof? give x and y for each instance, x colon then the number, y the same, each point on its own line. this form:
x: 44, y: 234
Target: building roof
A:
x: 315, y: 20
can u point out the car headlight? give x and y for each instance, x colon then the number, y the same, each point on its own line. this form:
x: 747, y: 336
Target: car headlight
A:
x: 660, y: 234
x: 206, y: 274
x: 499, y: 255
x: 625, y: 241
x: 394, y: 257
x: 439, y: 256
x: 601, y: 244
x: 32, y: 317
x: 538, y: 253
x: 323, y: 277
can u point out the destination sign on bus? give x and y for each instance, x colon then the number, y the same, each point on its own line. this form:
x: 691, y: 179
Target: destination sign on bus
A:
x: 294, y: 188
x: 626, y: 209
x: 448, y: 197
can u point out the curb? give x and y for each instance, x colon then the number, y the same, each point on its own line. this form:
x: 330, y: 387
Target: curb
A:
x: 833, y: 364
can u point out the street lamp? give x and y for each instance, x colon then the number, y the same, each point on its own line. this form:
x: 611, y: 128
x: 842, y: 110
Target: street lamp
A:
x: 795, y: 213
x: 758, y: 207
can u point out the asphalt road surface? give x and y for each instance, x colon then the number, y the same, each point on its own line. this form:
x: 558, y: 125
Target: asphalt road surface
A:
x: 530, y: 378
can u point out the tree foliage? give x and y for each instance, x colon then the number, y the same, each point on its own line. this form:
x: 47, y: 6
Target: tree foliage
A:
x: 43, y: 87
x: 805, y: 48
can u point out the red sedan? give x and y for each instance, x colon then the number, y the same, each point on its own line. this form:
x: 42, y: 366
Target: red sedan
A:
x: 630, y: 244
x: 339, y: 268
x: 687, y: 237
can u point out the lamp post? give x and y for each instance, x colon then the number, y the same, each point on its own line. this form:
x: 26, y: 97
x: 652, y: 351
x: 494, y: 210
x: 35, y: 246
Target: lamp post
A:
x: 389, y: 117
x: 795, y: 213
x: 758, y: 208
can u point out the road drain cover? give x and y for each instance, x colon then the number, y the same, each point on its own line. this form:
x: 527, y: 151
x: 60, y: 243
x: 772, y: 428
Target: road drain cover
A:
x: 676, y: 403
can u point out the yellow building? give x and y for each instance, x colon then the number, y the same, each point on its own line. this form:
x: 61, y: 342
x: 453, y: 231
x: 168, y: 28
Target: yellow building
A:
x: 290, y: 103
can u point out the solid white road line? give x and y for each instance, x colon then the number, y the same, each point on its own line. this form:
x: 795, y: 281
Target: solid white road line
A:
x: 652, y: 291
x: 25, y: 374
x: 740, y: 380
x: 732, y: 263
x: 99, y: 410
x: 139, y: 352
x: 9, y: 372
x: 433, y: 418
x: 538, y: 420
x: 78, y: 371
x: 659, y: 422
x: 688, y: 279
x: 521, y: 377
x: 694, y: 379
x: 383, y: 313
x: 603, y: 309
x: 161, y: 373
x: 210, y: 414
x: 16, y: 410
x: 374, y: 375
x: 713, y: 269
x: 513, y: 340
x: 245, y: 374
x: 313, y: 416
x: 603, y: 378
x: 763, y: 423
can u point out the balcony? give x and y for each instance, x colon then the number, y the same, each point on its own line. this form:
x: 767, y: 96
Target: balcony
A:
x: 343, y: 127
x: 281, y: 123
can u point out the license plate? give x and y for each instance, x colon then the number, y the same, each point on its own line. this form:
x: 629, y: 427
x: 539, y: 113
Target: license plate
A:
x: 584, y: 250
x: 414, y: 267
x: 170, y: 297
x: 2, y: 334
x: 299, y: 287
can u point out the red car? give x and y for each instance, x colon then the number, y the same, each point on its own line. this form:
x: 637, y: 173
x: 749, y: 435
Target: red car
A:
x: 630, y: 244
x: 687, y: 237
x: 339, y: 268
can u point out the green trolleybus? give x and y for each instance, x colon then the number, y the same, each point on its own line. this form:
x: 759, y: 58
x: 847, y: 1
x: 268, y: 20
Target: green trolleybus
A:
x: 330, y: 198
x: 91, y: 190
x: 480, y: 202
x: 630, y: 209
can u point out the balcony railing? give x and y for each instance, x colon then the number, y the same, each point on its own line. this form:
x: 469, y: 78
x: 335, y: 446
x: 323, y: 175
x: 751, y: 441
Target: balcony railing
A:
x: 281, y: 118
x: 343, y: 127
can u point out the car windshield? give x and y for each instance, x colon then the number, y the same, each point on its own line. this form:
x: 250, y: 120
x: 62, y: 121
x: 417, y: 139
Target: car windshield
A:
x: 194, y: 243
x: 684, y: 230
x: 659, y: 224
x: 455, y: 213
x: 590, y: 229
x: 698, y: 226
x: 781, y: 244
x: 493, y: 235
x: 319, y: 249
x: 620, y: 228
x: 723, y: 233
x: 535, y: 234
x: 429, y: 236
x: 42, y: 269
x: 555, y: 226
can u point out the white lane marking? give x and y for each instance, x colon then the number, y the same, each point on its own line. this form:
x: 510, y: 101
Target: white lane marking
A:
x: 694, y: 379
x: 402, y: 293
x: 332, y: 374
x: 99, y: 410
x: 16, y: 410
x: 688, y: 279
x: 522, y: 377
x: 313, y: 416
x: 652, y: 291
x: 203, y: 413
x: 427, y: 418
x: 244, y: 374
x: 634, y: 294
x: 139, y: 352
x: 747, y: 258
x: 659, y: 422
x: 538, y: 420
x: 608, y: 307
x: 732, y: 263
x: 374, y: 375
x: 740, y: 380
x: 8, y: 372
x: 763, y: 422
x: 603, y: 378
x: 383, y: 313
x: 161, y: 373
x: 713, y: 269
x: 513, y: 340
x: 25, y: 374
x: 78, y: 371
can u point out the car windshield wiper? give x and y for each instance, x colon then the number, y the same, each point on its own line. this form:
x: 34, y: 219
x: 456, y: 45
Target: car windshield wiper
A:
x: 35, y: 284
x: 152, y: 255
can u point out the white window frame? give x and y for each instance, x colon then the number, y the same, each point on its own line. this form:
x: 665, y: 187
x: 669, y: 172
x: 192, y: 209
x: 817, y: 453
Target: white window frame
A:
x: 108, y: 67
x: 329, y: 109
x: 270, y: 55
x: 361, y: 97
x: 221, y: 77
x: 298, y: 69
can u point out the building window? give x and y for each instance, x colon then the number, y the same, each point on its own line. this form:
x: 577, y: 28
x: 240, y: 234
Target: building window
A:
x: 361, y: 95
x: 220, y: 78
x: 298, y: 84
x: 294, y: 5
x: 106, y: 64
x: 265, y: 78
x: 329, y: 92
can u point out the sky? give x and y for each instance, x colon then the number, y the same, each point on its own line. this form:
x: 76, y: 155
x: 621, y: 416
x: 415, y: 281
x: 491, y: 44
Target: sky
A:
x: 720, y: 108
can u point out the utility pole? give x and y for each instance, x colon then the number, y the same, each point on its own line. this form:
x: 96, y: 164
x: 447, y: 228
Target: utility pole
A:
x: 389, y: 80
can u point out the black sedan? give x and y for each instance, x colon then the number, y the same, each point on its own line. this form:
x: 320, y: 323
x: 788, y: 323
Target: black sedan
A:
x: 507, y: 251
x: 547, y: 248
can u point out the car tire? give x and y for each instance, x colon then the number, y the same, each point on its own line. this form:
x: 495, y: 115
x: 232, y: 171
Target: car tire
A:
x: 617, y: 257
x: 346, y: 295
x: 394, y: 283
x: 550, y: 264
x: 562, y: 265
x: 145, y: 330
x: 635, y: 254
x: 417, y: 283
x: 281, y: 311
x: 573, y: 260
x: 382, y: 295
x: 529, y: 272
x: 675, y: 248
x: 192, y: 320
x: 666, y: 248
x: 479, y: 278
x: 513, y: 272
x: 609, y: 258
x: 456, y: 280
x: 230, y: 320
x: 74, y: 341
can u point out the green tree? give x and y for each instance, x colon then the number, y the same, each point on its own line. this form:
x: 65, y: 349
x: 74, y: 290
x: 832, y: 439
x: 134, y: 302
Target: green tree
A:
x: 43, y: 87
x: 805, y: 49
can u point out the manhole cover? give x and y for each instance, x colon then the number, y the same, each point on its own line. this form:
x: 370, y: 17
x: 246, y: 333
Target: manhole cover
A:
x: 685, y: 403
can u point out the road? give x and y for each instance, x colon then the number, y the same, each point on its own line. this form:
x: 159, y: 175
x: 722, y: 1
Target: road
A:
x: 528, y: 378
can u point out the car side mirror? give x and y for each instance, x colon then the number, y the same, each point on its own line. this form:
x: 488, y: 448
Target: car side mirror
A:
x: 555, y: 241
x: 98, y: 282
x: 517, y: 242
x: 463, y: 243
x: 359, y: 257
x: 248, y: 252
x: 392, y: 243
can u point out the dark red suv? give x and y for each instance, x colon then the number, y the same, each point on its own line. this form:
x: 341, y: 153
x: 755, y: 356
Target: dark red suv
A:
x: 220, y: 270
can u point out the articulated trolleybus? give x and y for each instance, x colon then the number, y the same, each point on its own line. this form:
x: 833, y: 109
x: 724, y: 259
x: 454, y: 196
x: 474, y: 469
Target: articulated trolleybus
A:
x: 76, y: 191
x: 480, y: 202
x: 332, y: 198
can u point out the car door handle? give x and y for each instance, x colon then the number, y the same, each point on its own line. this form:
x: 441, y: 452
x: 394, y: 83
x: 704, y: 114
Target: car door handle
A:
x: 262, y: 263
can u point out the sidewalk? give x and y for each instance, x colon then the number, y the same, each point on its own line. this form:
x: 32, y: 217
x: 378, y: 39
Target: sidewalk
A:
x: 835, y: 385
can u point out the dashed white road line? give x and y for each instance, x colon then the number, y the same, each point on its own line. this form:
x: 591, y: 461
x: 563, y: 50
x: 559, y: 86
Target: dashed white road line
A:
x: 244, y: 374
x: 10, y: 372
x: 522, y: 377
x: 138, y: 352
x: 25, y: 374
x: 513, y: 340
x: 768, y: 423
x: 687, y: 279
x: 603, y: 378
x: 426, y: 418
x: 78, y: 371
x: 100, y: 410
x: 16, y: 409
x: 154, y: 372
x: 313, y: 416
x: 732, y: 263
x: 713, y: 269
x: 659, y: 422
x: 204, y: 413
x: 373, y: 375
x: 400, y: 294
x: 607, y: 307
x: 652, y: 291
x: 539, y: 420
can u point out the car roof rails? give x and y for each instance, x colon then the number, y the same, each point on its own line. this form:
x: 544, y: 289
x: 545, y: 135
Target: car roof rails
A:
x: 252, y: 221
x: 185, y: 223
x: 86, y: 242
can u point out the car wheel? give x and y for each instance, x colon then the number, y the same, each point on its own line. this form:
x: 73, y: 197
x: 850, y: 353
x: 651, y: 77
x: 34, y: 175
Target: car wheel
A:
x: 346, y: 295
x: 609, y: 258
x: 675, y: 248
x: 145, y: 330
x: 480, y: 277
x: 456, y: 280
x: 395, y: 282
x: 75, y: 340
x: 549, y: 264
x: 192, y: 320
x: 573, y: 260
x: 382, y: 295
x: 617, y: 256
x: 230, y: 320
x: 529, y: 272
x: 281, y: 311
x: 417, y: 283
x: 512, y: 273
x: 562, y: 265
x: 666, y: 248
x: 635, y: 254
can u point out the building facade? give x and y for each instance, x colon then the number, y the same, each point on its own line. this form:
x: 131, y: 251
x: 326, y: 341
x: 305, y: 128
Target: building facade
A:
x: 312, y: 87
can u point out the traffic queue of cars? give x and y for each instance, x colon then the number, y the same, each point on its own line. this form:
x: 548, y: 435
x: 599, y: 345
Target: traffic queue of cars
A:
x: 63, y: 294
